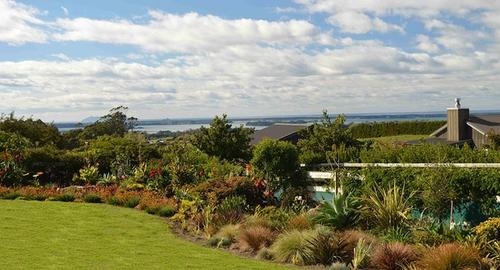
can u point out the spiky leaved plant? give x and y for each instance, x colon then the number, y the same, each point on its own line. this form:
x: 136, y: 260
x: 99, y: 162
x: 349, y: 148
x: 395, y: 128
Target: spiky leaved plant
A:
x: 341, y: 213
x: 362, y: 253
x: 387, y: 208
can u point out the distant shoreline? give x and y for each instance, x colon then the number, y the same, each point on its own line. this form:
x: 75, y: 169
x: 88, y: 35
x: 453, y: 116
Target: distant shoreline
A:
x: 174, y: 125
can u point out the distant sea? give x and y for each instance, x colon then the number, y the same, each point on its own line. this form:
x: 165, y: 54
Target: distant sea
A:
x: 174, y: 125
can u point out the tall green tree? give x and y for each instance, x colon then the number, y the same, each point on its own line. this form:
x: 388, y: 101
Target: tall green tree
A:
x: 115, y: 123
x: 36, y: 131
x: 328, y: 141
x: 224, y: 141
x: 277, y: 162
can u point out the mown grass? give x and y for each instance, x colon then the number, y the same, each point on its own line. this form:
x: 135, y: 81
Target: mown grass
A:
x: 57, y: 235
x: 397, y: 138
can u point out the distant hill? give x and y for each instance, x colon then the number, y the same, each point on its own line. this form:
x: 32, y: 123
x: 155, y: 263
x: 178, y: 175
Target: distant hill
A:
x: 90, y: 119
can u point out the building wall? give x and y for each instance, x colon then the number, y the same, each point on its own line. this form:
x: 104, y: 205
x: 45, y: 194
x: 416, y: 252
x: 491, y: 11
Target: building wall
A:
x: 479, y: 139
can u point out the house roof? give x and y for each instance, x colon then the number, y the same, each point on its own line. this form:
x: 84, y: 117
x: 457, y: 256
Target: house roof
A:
x: 277, y: 132
x: 485, y: 124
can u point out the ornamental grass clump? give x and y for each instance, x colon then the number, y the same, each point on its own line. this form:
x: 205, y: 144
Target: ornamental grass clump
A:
x: 92, y: 198
x: 166, y: 211
x: 255, y: 238
x: 12, y: 195
x: 65, y: 197
x: 393, y: 256
x: 451, y: 256
x: 326, y: 247
x: 293, y: 247
x: 229, y: 232
x: 300, y: 222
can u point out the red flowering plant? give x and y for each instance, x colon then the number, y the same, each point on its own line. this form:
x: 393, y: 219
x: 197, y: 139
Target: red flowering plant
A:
x: 12, y: 148
x: 158, y: 176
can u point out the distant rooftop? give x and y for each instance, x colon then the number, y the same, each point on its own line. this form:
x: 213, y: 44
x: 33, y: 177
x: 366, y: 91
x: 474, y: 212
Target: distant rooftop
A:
x: 277, y: 131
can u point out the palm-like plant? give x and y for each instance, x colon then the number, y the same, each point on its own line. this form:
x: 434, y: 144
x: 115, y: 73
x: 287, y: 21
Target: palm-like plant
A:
x: 341, y: 213
x: 388, y: 208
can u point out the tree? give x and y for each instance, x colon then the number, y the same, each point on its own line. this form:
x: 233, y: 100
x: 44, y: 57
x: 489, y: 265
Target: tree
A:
x: 277, y: 162
x: 494, y: 141
x: 38, y: 132
x: 328, y: 141
x: 224, y: 141
x: 115, y: 123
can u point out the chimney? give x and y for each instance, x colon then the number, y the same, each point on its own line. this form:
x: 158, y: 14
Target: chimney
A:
x: 457, y: 122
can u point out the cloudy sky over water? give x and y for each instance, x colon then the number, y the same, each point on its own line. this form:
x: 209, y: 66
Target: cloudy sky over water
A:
x: 66, y: 60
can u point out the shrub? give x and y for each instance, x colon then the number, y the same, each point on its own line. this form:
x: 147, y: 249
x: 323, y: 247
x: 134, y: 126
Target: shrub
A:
x: 53, y: 166
x: 223, y: 140
x: 450, y: 256
x: 230, y: 210
x: 215, y: 190
x: 65, y: 197
x: 274, y: 218
x: 277, y: 162
x: 167, y: 211
x: 36, y: 194
x: 340, y: 213
x: 328, y: 141
x: 292, y: 247
x: 489, y: 230
x: 398, y: 234
x: 92, y: 198
x: 255, y: 238
x: 326, y: 247
x: 125, y: 198
x: 11, y: 195
x: 387, y: 208
x: 88, y: 176
x: 3, y: 191
x: 132, y: 202
x: 393, y: 256
x: 115, y: 201
x: 153, y: 203
x: 380, y: 129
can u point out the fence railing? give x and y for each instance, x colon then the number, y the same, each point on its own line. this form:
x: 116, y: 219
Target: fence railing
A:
x: 405, y: 165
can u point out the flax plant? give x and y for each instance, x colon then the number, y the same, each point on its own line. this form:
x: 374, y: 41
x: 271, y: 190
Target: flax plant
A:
x: 388, y: 208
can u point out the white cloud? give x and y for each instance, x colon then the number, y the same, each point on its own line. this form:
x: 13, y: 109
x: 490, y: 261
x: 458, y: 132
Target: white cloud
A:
x: 246, y: 79
x: 455, y: 37
x: 19, y: 24
x: 190, y: 32
x: 396, y: 7
x: 425, y: 44
x: 360, y: 23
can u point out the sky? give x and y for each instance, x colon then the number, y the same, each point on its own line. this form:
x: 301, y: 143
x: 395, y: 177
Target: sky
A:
x: 67, y: 60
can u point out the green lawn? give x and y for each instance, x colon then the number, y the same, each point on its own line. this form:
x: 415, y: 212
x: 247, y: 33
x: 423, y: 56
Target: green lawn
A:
x: 397, y: 138
x: 55, y: 235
